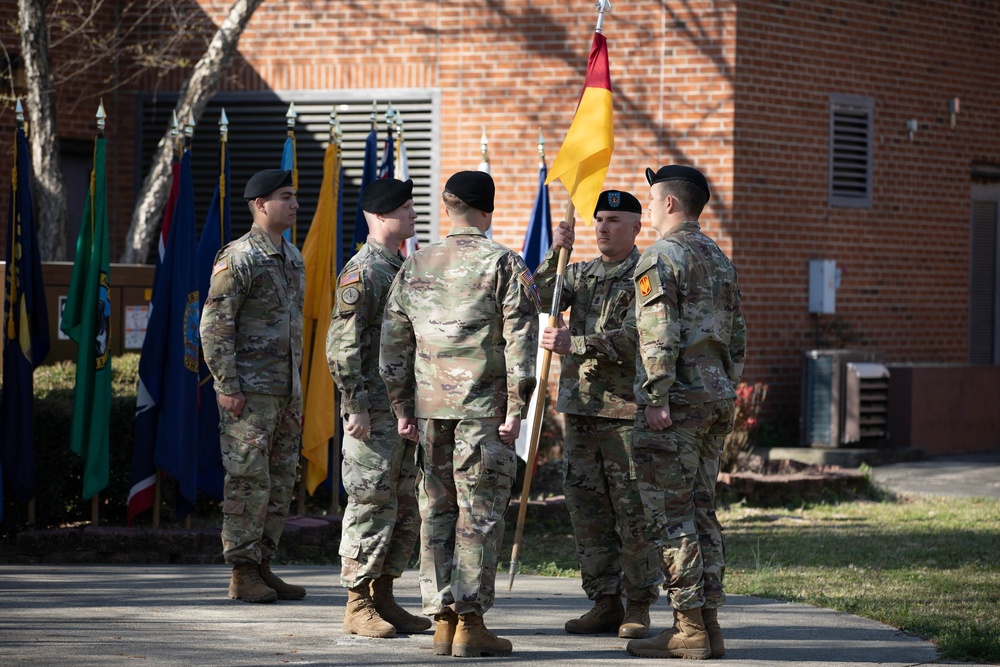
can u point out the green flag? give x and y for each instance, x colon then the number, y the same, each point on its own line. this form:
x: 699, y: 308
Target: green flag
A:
x: 86, y: 319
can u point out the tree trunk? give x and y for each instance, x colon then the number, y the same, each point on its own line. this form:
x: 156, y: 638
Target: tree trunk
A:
x: 195, y: 94
x: 50, y: 190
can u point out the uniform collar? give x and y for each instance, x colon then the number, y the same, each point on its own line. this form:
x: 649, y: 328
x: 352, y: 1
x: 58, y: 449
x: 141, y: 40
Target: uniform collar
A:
x: 260, y: 238
x: 466, y: 231
x: 687, y: 226
x: 379, y: 248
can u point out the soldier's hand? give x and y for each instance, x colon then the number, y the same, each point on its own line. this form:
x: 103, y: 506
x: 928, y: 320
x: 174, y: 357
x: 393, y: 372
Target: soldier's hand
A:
x: 233, y: 403
x: 407, y: 428
x: 658, y: 417
x: 510, y: 429
x: 563, y: 236
x: 556, y: 339
x: 358, y: 425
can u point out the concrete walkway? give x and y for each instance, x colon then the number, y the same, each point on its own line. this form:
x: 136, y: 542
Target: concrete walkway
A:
x: 179, y: 615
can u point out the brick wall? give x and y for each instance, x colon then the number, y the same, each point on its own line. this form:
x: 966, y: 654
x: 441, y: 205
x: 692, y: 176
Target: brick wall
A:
x: 739, y: 89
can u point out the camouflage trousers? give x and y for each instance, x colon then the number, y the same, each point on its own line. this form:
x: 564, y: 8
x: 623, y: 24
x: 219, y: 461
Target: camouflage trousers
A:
x: 260, y: 452
x: 468, y: 474
x: 677, y: 469
x: 602, y: 496
x: 382, y: 522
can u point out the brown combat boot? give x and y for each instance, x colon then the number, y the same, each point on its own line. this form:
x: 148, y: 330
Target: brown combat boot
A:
x: 444, y: 631
x: 361, y: 617
x: 284, y: 591
x: 635, y: 625
x: 711, y: 618
x: 687, y: 639
x: 388, y: 609
x: 605, y: 616
x: 473, y: 640
x: 246, y: 585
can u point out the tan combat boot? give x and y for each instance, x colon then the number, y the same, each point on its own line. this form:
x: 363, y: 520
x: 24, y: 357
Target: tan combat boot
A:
x: 635, y: 625
x: 687, y: 639
x: 284, y: 591
x: 246, y: 585
x: 388, y: 609
x: 473, y: 640
x: 605, y: 616
x: 711, y: 618
x: 361, y: 617
x: 445, y: 625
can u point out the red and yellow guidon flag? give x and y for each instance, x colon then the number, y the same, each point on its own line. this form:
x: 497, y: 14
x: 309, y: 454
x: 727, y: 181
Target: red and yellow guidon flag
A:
x: 585, y: 154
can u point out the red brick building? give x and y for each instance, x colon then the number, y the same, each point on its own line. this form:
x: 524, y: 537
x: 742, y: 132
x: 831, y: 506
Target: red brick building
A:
x: 824, y: 129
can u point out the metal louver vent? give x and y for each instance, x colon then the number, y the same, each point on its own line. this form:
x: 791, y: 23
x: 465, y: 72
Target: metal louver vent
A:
x: 850, y: 151
x: 257, y: 131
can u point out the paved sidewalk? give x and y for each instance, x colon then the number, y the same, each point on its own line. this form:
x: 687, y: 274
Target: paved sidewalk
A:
x: 179, y: 615
x: 966, y: 475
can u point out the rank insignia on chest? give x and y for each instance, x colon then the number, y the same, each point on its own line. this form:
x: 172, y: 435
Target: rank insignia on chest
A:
x: 348, y: 278
x: 221, y: 265
x: 644, y: 286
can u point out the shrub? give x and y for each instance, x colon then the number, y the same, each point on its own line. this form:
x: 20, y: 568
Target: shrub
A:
x: 749, y: 400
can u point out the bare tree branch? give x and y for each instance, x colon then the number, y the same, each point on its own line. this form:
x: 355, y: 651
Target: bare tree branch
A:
x: 194, y: 95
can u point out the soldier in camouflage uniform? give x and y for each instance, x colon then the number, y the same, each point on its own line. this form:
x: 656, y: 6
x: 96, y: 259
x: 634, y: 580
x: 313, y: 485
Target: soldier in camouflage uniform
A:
x: 595, y: 394
x: 692, y: 343
x: 251, y: 333
x: 381, y: 523
x: 458, y: 360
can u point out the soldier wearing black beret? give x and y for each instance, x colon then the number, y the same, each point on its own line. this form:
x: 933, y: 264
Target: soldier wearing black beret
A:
x: 597, y: 398
x: 381, y: 522
x: 691, y: 344
x: 251, y: 332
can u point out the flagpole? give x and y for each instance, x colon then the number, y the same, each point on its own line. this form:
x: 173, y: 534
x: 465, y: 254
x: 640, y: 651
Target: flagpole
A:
x: 224, y: 141
x: 541, y: 391
x: 334, y: 474
x: 95, y: 501
x: 19, y: 111
x: 291, y: 115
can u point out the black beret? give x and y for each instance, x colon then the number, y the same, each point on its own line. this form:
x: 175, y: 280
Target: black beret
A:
x: 678, y: 172
x: 386, y: 194
x: 475, y: 188
x: 617, y: 200
x: 265, y: 182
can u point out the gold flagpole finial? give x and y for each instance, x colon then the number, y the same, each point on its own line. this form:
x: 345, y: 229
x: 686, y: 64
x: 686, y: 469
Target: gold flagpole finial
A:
x: 290, y: 117
x: 399, y: 126
x: 223, y: 126
x: 484, y: 146
x: 101, y: 117
x: 19, y: 111
x: 541, y: 147
x: 374, y: 114
x: 389, y: 117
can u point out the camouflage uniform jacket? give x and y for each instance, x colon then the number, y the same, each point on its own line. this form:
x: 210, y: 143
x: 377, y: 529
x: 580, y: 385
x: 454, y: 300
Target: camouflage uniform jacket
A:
x: 597, y: 376
x: 461, y: 331
x: 251, y: 327
x: 352, y: 343
x: 692, y: 337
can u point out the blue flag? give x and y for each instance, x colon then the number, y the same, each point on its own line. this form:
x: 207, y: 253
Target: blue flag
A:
x: 369, y: 174
x: 387, y: 166
x: 168, y: 365
x: 26, y: 331
x: 288, y: 161
x: 142, y: 476
x: 538, y: 238
x: 214, y: 235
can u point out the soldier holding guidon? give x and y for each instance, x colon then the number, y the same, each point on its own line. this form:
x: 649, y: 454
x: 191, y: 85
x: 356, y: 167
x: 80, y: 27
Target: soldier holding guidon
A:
x: 596, y: 395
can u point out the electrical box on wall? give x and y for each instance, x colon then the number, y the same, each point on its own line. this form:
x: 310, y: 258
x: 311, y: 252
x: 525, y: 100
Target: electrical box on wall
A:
x: 822, y: 286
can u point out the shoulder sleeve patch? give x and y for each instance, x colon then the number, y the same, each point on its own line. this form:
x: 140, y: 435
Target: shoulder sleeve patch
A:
x: 350, y: 277
x: 221, y: 265
x: 648, y: 286
x: 527, y: 278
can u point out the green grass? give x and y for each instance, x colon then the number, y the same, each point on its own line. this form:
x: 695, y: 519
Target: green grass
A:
x: 929, y: 566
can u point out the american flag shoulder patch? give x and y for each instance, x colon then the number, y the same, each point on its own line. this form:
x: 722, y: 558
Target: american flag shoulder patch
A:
x: 348, y: 278
x: 527, y: 278
x: 221, y: 265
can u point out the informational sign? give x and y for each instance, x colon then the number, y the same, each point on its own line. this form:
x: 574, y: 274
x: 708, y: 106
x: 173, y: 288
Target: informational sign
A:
x: 135, y: 326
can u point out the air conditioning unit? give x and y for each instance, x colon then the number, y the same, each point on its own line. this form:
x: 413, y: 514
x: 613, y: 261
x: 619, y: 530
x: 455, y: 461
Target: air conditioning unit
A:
x: 844, y: 399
